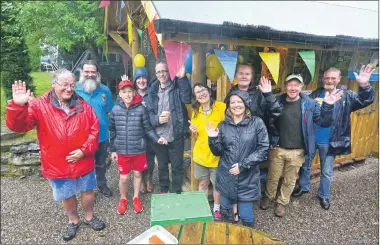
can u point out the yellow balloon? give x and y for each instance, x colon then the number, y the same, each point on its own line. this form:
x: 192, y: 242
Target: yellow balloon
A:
x: 139, y: 60
x: 214, y: 68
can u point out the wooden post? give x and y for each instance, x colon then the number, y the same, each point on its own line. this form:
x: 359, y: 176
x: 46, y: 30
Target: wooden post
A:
x: 198, y: 76
x: 199, y: 63
x: 135, y: 46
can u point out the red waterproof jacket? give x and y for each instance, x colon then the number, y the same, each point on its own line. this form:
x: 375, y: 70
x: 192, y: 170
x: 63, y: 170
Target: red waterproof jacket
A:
x: 58, y: 133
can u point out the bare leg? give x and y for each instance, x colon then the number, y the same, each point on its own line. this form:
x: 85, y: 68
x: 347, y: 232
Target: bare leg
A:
x: 87, y: 200
x: 70, y: 206
x: 216, y: 197
x: 123, y: 185
x: 203, y: 186
x: 136, y: 183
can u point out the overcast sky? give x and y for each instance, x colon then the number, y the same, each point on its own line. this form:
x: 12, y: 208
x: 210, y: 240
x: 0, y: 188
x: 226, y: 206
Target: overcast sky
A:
x: 327, y: 18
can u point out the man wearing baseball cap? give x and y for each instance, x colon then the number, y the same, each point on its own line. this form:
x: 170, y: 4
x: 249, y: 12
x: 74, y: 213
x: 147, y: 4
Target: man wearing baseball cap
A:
x: 292, y: 138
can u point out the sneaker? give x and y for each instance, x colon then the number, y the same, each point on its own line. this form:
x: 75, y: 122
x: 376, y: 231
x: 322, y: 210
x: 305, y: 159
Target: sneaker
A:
x: 105, y: 191
x: 280, y: 210
x: 95, y: 223
x: 137, y: 205
x: 70, y: 232
x: 122, y: 209
x: 218, y: 215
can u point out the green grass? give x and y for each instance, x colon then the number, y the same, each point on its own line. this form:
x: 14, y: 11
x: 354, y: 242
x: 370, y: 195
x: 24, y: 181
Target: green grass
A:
x: 42, y: 81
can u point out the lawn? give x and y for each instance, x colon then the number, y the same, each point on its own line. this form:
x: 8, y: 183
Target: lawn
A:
x: 42, y: 81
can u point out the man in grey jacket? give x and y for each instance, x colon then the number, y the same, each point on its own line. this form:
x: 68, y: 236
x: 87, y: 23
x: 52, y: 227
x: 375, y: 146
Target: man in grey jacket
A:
x: 168, y: 115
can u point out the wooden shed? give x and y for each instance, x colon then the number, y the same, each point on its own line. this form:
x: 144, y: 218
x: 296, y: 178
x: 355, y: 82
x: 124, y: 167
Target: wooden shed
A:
x: 333, y: 31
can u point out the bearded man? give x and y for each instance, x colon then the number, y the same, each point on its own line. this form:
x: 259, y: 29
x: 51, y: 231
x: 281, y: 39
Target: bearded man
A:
x: 99, y: 97
x: 335, y: 140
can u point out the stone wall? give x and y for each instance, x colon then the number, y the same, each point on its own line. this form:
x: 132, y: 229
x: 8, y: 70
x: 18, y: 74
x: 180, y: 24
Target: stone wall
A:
x: 22, y: 159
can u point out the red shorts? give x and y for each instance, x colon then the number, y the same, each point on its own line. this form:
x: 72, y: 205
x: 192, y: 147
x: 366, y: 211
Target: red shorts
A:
x: 136, y: 162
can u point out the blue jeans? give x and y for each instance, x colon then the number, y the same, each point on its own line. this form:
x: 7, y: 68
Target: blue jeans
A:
x: 326, y: 165
x: 245, y: 210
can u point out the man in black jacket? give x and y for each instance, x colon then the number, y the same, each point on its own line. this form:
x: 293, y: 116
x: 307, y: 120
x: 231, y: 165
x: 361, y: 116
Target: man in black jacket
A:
x: 335, y: 140
x: 168, y: 115
x: 262, y: 102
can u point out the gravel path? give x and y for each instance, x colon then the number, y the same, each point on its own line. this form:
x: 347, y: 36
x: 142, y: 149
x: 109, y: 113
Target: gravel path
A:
x: 30, y: 215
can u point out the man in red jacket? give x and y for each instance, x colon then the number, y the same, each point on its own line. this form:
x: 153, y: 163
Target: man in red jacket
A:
x: 68, y: 132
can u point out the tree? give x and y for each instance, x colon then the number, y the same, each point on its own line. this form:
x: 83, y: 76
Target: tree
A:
x: 14, y: 58
x: 68, y: 24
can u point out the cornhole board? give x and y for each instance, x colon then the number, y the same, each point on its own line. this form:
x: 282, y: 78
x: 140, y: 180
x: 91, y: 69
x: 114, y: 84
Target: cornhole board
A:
x: 171, y: 208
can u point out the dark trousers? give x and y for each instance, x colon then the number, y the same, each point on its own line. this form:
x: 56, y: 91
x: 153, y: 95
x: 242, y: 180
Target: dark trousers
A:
x: 100, y: 164
x: 150, y: 154
x: 245, y: 210
x: 172, y: 152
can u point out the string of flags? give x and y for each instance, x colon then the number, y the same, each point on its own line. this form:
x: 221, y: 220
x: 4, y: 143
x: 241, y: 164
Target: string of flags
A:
x: 220, y: 61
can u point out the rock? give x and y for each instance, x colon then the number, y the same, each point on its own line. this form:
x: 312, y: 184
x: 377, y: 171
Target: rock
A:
x: 26, y: 171
x: 8, y: 134
x: 26, y: 159
x: 22, y: 148
x: 5, y: 158
x: 24, y: 143
x: 4, y: 169
x: 33, y: 147
x: 5, y: 148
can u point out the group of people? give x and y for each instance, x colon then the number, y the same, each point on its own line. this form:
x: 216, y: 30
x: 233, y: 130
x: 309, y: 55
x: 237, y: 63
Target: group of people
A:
x: 78, y: 124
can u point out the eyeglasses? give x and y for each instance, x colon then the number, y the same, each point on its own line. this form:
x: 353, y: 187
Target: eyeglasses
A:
x: 200, y: 91
x: 66, y: 86
x: 161, y: 72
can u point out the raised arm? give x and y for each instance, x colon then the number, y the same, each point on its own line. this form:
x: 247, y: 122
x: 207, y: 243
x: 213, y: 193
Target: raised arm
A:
x: 269, y: 102
x: 184, y: 86
x: 215, y: 139
x: 21, y: 115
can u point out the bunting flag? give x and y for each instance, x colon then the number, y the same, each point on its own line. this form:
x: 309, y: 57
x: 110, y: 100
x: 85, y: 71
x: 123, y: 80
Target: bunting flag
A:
x: 175, y: 55
x: 140, y: 33
x: 272, y: 60
x: 309, y: 58
x: 152, y: 15
x: 228, y: 60
x: 104, y: 3
x: 129, y: 31
x: 153, y: 37
x: 122, y: 4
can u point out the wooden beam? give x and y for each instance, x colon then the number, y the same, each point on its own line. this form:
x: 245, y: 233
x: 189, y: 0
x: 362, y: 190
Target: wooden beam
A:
x: 194, y: 38
x: 121, y: 42
x: 135, y: 45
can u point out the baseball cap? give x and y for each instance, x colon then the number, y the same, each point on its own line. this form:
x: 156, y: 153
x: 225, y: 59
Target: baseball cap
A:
x: 125, y: 83
x: 294, y: 77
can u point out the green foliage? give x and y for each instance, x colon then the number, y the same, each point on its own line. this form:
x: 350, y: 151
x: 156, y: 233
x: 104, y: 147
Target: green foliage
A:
x: 14, y: 58
x: 67, y: 24
x: 35, y: 53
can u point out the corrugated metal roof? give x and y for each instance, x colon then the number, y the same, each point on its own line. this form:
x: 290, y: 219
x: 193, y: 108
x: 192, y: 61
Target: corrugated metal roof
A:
x: 318, y: 18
